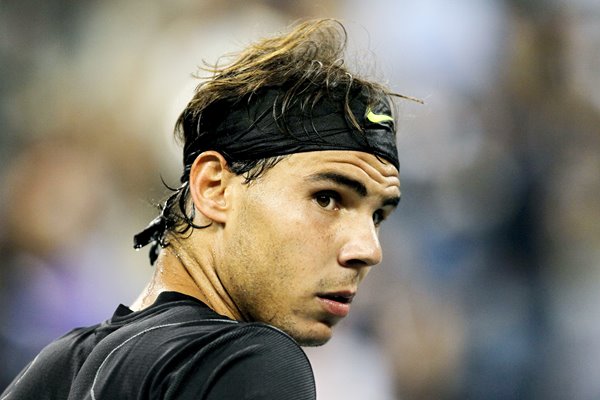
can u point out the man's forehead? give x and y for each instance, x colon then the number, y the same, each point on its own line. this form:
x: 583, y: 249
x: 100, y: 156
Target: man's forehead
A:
x: 361, y: 166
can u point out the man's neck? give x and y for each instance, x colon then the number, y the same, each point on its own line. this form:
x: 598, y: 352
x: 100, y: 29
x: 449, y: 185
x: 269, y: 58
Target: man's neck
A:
x: 183, y: 271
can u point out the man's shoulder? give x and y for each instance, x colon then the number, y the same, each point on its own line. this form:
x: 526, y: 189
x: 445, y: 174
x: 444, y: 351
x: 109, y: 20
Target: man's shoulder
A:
x: 184, y: 339
x: 185, y: 321
x: 181, y: 352
x: 263, y: 363
x: 178, y: 350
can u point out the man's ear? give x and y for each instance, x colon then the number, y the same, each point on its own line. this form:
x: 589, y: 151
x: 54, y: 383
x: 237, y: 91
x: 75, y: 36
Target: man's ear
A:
x: 209, y: 178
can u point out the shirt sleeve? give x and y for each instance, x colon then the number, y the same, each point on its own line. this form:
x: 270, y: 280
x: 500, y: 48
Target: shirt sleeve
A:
x: 254, y: 362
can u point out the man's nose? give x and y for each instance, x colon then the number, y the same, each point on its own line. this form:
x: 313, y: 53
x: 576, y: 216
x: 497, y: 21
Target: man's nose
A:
x: 361, y: 247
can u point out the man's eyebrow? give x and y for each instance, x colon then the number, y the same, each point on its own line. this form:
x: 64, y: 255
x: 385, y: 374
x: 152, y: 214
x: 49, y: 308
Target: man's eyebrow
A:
x: 340, y: 179
x: 352, y: 184
x: 392, y: 201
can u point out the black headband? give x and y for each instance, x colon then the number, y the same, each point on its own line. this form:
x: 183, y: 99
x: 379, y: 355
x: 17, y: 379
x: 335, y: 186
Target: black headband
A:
x: 255, y: 128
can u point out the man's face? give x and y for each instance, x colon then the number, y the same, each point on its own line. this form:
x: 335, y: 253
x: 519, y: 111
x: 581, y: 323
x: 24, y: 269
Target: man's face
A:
x: 301, y: 238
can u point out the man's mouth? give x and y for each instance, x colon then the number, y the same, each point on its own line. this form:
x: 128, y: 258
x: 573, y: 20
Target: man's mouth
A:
x: 345, y: 298
x: 336, y: 303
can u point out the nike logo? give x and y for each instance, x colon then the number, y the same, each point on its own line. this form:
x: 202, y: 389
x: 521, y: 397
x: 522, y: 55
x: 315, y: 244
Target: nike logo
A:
x: 378, y: 118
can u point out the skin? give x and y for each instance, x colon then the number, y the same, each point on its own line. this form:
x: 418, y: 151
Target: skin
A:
x: 279, y: 246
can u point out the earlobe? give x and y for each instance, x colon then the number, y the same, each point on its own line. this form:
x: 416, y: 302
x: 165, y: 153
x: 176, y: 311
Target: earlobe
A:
x: 209, y: 178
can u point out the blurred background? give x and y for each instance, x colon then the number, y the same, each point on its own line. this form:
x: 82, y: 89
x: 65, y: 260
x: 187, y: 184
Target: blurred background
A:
x: 491, y: 275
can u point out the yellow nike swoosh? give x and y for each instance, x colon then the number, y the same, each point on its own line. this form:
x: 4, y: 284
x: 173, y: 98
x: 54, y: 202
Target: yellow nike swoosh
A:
x: 378, y: 118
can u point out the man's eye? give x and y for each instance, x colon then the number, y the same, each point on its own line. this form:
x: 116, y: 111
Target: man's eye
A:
x: 328, y: 201
x: 378, y: 217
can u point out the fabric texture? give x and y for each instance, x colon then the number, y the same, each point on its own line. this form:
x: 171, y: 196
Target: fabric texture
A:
x: 176, y: 349
x: 254, y: 128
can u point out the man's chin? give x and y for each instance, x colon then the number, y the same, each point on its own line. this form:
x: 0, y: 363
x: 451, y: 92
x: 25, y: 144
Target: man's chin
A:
x: 314, y: 338
x: 313, y: 342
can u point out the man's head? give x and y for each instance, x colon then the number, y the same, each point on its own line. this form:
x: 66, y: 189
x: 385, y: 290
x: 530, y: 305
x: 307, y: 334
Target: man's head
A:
x: 291, y: 160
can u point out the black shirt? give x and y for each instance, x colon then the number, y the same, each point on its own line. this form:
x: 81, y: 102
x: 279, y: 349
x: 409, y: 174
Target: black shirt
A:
x: 178, y: 348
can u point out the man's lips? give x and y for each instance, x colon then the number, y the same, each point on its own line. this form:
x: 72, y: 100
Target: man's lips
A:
x: 336, y: 303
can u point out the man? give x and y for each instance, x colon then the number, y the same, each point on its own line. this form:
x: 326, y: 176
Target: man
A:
x: 290, y: 166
